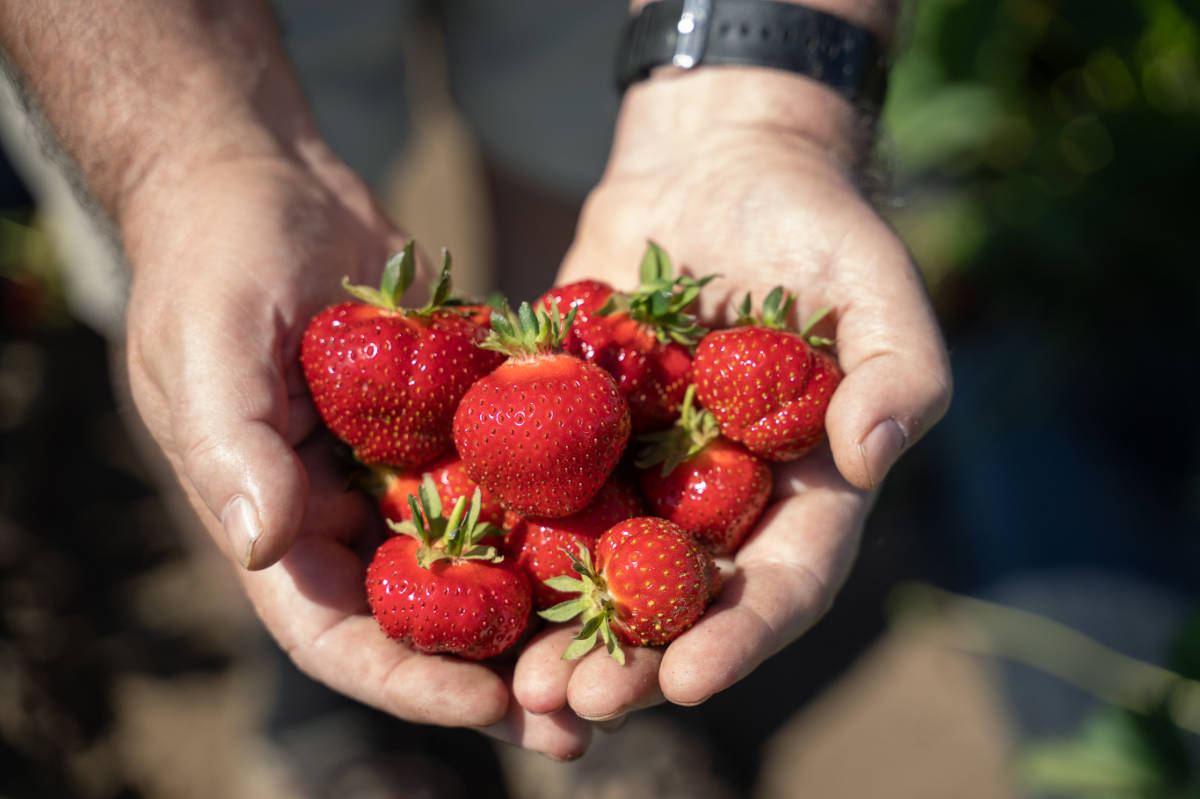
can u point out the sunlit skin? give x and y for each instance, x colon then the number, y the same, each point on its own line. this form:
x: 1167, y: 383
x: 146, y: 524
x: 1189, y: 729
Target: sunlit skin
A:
x: 239, y: 224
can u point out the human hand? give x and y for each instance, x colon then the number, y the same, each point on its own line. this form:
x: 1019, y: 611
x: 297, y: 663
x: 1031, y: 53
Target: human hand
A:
x: 230, y: 262
x: 752, y: 176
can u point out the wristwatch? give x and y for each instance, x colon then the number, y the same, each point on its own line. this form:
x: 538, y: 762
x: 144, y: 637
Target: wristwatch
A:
x: 777, y: 35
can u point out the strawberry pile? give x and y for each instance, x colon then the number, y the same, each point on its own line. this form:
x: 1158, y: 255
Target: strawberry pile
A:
x: 596, y: 451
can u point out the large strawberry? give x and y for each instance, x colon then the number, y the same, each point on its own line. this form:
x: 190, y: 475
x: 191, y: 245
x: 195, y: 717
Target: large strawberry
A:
x: 438, y: 588
x: 644, y: 339
x: 545, y: 429
x: 392, y: 488
x: 710, y: 486
x: 386, y: 379
x: 767, y: 386
x: 541, y: 546
x: 651, y: 582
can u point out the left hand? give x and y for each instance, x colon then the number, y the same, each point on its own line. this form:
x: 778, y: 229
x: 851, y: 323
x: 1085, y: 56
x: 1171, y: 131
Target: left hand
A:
x: 707, y: 167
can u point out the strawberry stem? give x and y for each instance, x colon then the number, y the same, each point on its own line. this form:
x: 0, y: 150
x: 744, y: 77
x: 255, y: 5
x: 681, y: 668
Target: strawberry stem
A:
x: 694, y: 430
x: 594, y: 605
x: 446, y: 538
x: 661, y: 300
x: 528, y: 332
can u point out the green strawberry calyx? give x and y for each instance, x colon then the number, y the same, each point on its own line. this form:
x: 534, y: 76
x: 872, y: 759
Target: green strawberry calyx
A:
x: 528, y: 332
x: 661, y: 301
x: 775, y: 310
x: 694, y: 430
x: 456, y: 537
x: 398, y: 275
x: 594, y: 606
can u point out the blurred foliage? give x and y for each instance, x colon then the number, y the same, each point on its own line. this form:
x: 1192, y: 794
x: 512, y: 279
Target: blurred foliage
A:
x: 31, y: 291
x: 1139, y: 744
x: 1123, y: 754
x: 1046, y: 146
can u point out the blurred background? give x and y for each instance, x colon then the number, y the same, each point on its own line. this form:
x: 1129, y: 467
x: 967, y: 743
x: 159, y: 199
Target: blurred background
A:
x: 1022, y: 621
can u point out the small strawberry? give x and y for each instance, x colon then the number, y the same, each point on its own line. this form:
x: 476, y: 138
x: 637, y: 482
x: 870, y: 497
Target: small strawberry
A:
x: 545, y: 429
x: 386, y: 379
x: 710, y: 486
x: 540, y: 546
x: 768, y: 387
x: 644, y: 339
x: 651, y: 582
x: 392, y: 488
x: 438, y: 589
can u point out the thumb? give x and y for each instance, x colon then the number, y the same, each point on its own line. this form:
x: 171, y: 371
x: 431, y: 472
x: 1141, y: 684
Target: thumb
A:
x: 226, y: 410
x: 897, y: 382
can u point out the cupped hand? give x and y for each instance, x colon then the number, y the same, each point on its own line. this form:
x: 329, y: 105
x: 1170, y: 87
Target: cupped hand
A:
x: 230, y: 262
x: 761, y: 204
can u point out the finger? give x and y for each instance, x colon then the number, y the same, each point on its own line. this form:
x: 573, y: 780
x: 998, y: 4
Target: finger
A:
x: 541, y: 676
x: 561, y: 735
x: 313, y: 602
x: 220, y: 378
x: 897, y: 382
x: 602, y: 689
x: 787, y: 574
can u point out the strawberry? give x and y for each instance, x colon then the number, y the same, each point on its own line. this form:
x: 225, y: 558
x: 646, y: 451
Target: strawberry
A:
x: 767, y: 386
x: 540, y: 546
x: 644, y: 339
x: 392, y: 488
x: 710, y: 486
x: 545, y: 429
x: 651, y: 582
x: 438, y: 589
x: 386, y: 379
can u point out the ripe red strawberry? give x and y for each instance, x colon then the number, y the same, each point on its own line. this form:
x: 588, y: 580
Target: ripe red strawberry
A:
x: 541, y: 546
x: 386, y: 379
x: 644, y: 339
x: 545, y: 429
x: 651, y: 582
x: 438, y: 589
x: 768, y: 387
x: 710, y: 486
x: 392, y: 488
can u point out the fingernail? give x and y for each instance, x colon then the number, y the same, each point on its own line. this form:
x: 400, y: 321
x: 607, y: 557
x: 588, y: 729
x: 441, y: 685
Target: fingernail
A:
x: 243, y: 527
x: 613, y: 725
x: 880, y: 449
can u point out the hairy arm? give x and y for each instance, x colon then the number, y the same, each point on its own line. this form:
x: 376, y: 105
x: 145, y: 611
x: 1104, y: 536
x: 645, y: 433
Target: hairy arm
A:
x: 143, y: 91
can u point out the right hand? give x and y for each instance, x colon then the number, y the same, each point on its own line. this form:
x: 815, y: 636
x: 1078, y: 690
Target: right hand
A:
x: 230, y: 262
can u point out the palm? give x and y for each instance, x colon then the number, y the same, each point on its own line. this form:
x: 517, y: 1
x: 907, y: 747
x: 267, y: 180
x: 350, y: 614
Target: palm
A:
x: 761, y: 215
x: 215, y: 373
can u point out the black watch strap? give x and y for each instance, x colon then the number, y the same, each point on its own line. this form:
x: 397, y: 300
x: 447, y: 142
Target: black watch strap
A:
x: 762, y: 33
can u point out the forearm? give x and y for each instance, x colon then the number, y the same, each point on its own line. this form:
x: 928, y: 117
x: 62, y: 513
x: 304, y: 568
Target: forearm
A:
x: 142, y: 91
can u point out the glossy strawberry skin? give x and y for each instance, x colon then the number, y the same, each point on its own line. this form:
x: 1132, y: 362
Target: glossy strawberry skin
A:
x: 540, y: 545
x: 387, y: 382
x: 652, y: 376
x: 661, y: 579
x: 768, y: 388
x: 452, y: 482
x: 542, y: 433
x: 472, y: 609
x: 716, y: 496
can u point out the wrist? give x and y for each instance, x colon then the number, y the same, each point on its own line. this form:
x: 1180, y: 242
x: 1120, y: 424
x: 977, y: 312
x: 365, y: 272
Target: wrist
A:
x: 793, y: 69
x: 675, y: 112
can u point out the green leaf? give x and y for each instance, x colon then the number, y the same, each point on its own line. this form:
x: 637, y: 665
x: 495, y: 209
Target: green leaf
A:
x: 566, y: 610
x: 816, y: 317
x: 567, y: 584
x: 611, y: 644
x: 442, y: 288
x: 430, y: 499
x: 656, y: 265
x: 580, y: 647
